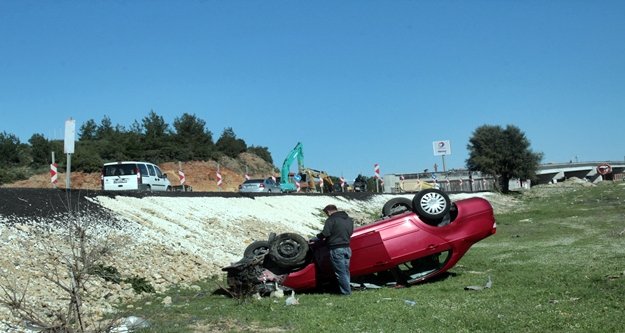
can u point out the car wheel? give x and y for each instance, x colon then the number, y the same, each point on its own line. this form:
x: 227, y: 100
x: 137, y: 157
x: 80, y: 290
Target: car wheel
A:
x: 288, y: 250
x: 257, y: 248
x: 396, y: 206
x: 431, y: 204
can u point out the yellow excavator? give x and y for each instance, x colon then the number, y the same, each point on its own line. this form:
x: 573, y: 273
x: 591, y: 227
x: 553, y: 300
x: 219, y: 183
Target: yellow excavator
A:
x: 311, y: 179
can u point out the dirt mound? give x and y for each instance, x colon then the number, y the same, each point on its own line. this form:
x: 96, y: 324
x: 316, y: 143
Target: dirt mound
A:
x: 569, y: 184
x: 201, y: 175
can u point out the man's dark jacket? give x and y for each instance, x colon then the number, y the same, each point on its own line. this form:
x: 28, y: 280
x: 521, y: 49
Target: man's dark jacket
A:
x: 337, y: 230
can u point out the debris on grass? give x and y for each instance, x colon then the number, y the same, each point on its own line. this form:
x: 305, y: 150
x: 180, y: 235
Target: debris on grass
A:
x: 488, y: 285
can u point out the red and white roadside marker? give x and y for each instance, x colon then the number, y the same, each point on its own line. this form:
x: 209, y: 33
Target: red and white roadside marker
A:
x: 219, y: 180
x: 53, y: 173
x: 181, y: 176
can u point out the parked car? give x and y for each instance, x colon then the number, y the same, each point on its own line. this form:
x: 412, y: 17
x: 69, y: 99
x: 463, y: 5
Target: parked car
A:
x: 260, y: 185
x: 423, y: 237
x: 359, y: 186
x: 132, y: 175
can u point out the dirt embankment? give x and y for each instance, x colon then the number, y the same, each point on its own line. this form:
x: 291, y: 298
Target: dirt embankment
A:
x: 173, y: 238
x: 201, y: 175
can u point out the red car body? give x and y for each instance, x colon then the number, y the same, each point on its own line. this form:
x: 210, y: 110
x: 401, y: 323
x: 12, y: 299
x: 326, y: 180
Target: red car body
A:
x: 404, y: 238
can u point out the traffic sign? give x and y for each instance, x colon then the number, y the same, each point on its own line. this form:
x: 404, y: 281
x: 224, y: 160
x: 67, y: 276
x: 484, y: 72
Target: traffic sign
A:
x: 441, y: 147
x: 604, y: 169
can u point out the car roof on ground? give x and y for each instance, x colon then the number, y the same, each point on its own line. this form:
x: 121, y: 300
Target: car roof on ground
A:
x: 255, y: 180
x: 126, y: 162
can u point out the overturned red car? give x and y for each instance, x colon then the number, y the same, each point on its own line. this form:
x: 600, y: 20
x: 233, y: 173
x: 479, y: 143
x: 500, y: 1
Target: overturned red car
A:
x: 419, y: 239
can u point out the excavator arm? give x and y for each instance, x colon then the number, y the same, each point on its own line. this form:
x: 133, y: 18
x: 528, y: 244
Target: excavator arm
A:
x: 295, y: 153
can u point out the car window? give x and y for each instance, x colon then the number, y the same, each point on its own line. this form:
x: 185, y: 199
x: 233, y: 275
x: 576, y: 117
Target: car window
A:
x: 143, y: 169
x: 159, y: 174
x: 119, y: 170
x: 253, y: 181
x: 151, y: 170
x: 109, y: 170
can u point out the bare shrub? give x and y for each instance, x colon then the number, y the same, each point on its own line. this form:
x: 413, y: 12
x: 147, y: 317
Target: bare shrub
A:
x: 61, y: 256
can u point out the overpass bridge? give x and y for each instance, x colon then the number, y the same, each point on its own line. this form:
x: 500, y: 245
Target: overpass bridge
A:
x: 555, y: 172
x: 466, y: 181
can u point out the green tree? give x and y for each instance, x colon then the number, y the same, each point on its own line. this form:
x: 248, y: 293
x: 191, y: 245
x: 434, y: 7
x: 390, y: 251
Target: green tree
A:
x: 194, y: 141
x: 157, y: 145
x: 87, y: 158
x: 229, y: 144
x: 133, y: 142
x: 155, y: 127
x: 13, y: 156
x: 262, y: 152
x: 88, y: 130
x: 10, y: 149
x: 105, y: 130
x: 503, y: 153
x: 40, y: 149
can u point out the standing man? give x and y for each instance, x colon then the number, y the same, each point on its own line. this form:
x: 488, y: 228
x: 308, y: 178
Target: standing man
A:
x: 337, y: 232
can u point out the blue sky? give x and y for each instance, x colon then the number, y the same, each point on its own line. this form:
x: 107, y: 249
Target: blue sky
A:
x: 357, y: 82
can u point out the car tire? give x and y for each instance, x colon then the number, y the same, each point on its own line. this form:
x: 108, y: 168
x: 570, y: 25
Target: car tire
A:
x: 396, y: 206
x: 288, y: 250
x: 431, y: 204
x: 256, y: 248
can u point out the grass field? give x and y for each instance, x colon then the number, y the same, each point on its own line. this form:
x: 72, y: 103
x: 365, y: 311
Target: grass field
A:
x: 557, y: 264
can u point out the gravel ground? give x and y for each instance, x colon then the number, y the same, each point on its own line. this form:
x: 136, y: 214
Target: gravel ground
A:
x: 168, y: 238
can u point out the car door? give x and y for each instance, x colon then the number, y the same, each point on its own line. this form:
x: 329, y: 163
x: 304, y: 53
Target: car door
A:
x: 272, y: 186
x: 161, y: 181
x: 155, y: 178
x: 149, y: 179
x: 143, y: 169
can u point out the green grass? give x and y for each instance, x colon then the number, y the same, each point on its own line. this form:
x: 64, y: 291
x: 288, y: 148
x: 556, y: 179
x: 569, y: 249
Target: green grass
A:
x: 556, y: 264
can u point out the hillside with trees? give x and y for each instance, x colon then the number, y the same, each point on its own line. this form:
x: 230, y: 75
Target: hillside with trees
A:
x: 151, y: 139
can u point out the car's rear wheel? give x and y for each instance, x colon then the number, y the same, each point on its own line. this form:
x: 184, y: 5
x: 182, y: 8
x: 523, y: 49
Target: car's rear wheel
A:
x: 288, y: 250
x: 431, y: 204
x: 396, y: 206
x: 256, y: 248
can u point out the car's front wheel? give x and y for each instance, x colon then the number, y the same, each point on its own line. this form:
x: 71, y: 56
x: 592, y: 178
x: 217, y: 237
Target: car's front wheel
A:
x: 431, y: 204
x: 288, y: 250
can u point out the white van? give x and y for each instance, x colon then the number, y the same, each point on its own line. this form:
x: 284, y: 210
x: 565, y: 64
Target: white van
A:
x: 130, y: 175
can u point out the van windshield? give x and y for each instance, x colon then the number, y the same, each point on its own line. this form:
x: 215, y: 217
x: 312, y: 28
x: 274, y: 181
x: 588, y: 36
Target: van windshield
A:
x: 119, y: 170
